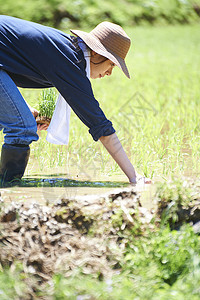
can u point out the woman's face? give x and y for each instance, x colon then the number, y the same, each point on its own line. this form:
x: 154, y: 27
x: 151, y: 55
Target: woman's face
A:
x: 100, y: 66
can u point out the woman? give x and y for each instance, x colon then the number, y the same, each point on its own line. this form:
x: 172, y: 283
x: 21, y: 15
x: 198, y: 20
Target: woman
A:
x: 36, y: 56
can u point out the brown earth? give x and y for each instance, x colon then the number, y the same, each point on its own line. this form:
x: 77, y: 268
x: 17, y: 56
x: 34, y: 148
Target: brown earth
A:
x: 89, y: 234
x: 71, y: 234
x: 43, y: 120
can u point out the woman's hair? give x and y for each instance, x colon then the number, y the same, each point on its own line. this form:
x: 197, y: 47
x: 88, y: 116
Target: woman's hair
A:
x: 75, y: 42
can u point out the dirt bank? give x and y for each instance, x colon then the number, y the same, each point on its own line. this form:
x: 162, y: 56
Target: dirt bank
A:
x: 88, y: 233
x: 73, y: 233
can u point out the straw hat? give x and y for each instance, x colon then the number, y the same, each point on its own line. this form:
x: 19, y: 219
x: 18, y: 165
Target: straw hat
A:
x: 108, y: 40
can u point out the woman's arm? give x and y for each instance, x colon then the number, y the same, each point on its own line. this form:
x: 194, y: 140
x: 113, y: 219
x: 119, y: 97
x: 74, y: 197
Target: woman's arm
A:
x: 114, y: 147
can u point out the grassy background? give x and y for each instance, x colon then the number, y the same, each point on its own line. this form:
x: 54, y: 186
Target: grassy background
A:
x: 70, y: 14
x: 155, y: 113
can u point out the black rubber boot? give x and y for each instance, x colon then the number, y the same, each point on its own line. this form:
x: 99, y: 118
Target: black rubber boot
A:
x: 14, y: 159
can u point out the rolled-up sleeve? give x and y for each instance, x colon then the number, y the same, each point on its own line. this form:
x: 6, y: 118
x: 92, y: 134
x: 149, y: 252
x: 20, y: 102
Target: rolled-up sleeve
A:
x: 103, y: 129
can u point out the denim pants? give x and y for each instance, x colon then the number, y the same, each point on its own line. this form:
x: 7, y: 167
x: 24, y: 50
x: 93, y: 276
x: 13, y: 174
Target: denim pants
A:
x: 16, y: 119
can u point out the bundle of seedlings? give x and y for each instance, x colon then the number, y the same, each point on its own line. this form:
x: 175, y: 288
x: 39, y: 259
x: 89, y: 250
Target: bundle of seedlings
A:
x: 47, y: 103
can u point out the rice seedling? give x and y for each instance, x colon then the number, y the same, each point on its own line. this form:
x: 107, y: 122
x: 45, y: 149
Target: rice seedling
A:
x: 47, y: 103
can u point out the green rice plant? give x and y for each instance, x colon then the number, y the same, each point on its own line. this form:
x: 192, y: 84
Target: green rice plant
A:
x: 47, y: 103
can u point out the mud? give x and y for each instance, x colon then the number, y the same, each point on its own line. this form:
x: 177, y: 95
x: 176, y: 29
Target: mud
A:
x: 43, y: 120
x: 73, y: 233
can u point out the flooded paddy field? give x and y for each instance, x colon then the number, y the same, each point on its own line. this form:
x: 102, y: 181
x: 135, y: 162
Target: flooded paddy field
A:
x: 47, y: 190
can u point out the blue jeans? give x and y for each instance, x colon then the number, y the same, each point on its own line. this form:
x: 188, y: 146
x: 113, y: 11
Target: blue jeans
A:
x: 16, y: 119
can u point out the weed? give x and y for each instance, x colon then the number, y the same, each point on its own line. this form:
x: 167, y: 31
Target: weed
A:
x: 178, y: 202
x: 164, y: 265
x: 12, y: 283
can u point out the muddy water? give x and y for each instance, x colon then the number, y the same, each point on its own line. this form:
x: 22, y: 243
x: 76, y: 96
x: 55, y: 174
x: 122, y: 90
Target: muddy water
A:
x: 49, y: 189
x: 47, y: 195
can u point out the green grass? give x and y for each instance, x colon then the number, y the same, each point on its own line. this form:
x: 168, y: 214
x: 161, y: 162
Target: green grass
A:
x: 12, y: 285
x: 155, y: 114
x: 165, y: 265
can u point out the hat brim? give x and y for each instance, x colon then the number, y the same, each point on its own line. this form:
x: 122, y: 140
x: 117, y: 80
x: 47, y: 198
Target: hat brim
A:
x: 93, y: 43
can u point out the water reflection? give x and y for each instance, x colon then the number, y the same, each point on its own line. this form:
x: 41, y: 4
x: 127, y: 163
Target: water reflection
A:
x: 48, y: 189
x: 61, y: 182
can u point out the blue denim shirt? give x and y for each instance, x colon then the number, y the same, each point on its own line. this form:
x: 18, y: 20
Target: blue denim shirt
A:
x: 37, y: 56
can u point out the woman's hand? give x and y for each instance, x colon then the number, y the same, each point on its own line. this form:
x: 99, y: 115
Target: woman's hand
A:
x: 133, y: 181
x: 35, y: 113
x: 42, y: 127
x: 140, y: 179
x: 143, y: 179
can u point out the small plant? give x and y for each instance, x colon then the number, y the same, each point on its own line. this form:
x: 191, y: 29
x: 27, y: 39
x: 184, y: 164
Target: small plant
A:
x: 13, y: 283
x: 178, y: 202
x: 47, y: 103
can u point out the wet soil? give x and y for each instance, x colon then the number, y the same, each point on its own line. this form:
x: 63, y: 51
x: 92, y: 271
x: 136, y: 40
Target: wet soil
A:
x: 43, y: 120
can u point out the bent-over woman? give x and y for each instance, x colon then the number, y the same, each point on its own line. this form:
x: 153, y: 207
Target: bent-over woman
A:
x: 37, y: 56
